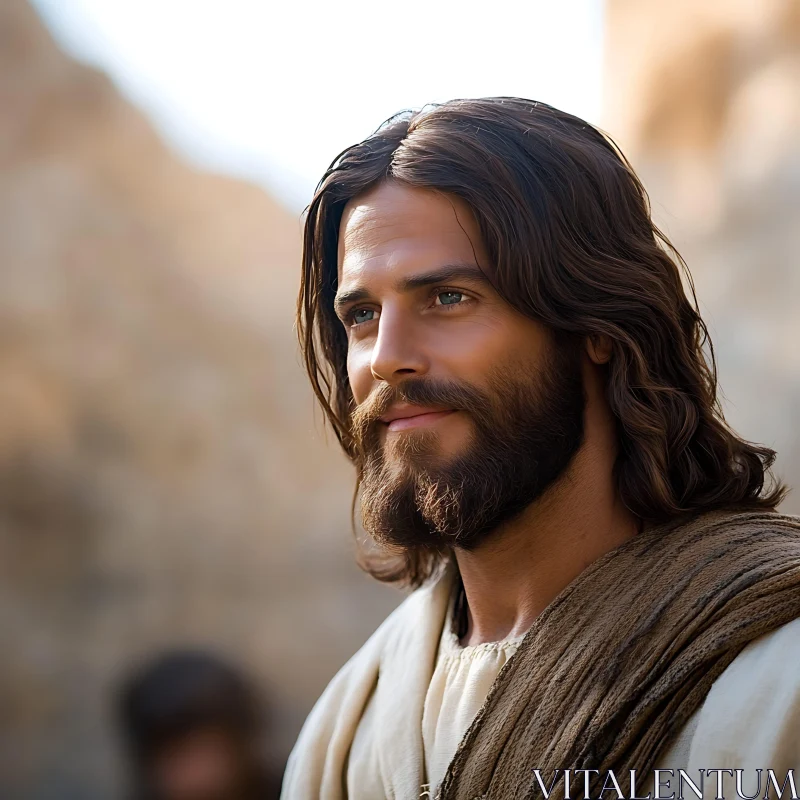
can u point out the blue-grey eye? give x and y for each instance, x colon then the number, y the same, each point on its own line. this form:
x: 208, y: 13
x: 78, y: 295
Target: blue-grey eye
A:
x: 449, y: 298
x: 363, y: 315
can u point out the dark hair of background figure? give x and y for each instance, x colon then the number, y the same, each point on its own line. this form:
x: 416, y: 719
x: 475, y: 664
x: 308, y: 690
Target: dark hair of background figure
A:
x: 180, y: 692
x: 567, y: 226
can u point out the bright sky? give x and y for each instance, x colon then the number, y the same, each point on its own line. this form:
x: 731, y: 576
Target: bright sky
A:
x: 273, y: 91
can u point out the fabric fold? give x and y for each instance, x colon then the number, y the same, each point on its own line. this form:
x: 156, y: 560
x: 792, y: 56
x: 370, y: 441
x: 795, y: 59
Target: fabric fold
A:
x: 622, y: 658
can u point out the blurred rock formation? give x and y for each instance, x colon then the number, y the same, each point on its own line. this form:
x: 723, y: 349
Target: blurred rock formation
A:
x: 704, y: 98
x: 162, y: 479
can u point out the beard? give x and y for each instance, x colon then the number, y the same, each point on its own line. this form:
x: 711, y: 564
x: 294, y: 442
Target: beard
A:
x: 525, y: 432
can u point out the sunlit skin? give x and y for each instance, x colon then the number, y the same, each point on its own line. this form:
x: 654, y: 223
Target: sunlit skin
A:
x: 415, y: 303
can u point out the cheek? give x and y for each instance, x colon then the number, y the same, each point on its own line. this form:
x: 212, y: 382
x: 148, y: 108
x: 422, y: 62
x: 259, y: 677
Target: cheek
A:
x: 489, y: 348
x: 477, y: 345
x: 359, y: 372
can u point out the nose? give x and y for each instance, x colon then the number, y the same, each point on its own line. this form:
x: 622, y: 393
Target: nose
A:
x: 396, y: 354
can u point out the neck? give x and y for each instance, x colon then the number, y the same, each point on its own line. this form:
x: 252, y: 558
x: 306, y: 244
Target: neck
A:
x: 520, y: 569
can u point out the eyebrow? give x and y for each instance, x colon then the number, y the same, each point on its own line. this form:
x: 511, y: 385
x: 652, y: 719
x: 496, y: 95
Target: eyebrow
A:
x: 444, y: 274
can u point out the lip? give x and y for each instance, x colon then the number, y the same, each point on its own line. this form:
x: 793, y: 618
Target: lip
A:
x: 401, y: 418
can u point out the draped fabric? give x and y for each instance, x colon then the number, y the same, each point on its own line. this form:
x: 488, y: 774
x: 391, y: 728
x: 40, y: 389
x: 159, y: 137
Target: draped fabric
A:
x: 605, y: 679
x: 621, y: 659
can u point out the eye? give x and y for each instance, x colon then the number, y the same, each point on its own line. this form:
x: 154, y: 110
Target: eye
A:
x: 360, y: 315
x: 449, y: 298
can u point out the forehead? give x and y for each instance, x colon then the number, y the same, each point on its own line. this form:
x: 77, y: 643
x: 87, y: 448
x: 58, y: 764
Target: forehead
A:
x: 394, y: 225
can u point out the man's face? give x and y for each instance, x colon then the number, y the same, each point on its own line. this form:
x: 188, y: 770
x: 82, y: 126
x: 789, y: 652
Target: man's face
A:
x: 466, y: 409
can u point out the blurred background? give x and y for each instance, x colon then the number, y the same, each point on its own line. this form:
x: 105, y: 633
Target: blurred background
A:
x: 164, y: 479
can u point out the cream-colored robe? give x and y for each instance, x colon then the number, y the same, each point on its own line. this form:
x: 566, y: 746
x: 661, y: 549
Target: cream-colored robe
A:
x: 363, y: 738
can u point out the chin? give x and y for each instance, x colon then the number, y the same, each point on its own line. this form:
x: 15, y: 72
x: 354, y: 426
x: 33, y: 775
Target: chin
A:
x: 424, y: 449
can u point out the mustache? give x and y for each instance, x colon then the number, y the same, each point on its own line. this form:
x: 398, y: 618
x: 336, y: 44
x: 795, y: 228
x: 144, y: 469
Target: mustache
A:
x: 417, y: 391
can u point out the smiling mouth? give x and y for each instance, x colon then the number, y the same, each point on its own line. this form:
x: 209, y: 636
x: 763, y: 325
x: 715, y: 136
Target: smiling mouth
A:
x: 418, y: 420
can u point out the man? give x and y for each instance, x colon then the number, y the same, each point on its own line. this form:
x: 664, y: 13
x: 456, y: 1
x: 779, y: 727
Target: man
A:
x: 194, y: 728
x: 501, y: 340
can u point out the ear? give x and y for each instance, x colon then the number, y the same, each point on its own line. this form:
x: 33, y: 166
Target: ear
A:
x: 598, y: 348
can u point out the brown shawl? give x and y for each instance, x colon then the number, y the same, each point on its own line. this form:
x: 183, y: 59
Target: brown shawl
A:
x: 619, y: 661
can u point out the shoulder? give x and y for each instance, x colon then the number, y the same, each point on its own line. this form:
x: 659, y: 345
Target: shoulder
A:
x: 751, y: 716
x: 324, y: 742
x: 404, y: 622
x: 352, y: 684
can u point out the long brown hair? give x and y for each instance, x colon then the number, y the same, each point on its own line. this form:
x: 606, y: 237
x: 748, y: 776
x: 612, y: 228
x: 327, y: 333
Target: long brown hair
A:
x: 567, y: 226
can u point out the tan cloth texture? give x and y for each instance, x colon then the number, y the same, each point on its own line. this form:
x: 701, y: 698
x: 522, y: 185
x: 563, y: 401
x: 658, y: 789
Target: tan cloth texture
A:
x: 363, y: 738
x: 751, y: 716
x: 616, y: 665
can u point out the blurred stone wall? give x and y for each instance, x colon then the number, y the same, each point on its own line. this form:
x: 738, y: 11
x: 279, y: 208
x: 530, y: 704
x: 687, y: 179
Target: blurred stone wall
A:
x: 704, y: 98
x: 162, y: 478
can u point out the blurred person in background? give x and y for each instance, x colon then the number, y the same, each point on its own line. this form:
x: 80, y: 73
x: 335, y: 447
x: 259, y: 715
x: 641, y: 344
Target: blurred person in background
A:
x: 194, y: 729
x: 501, y: 340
